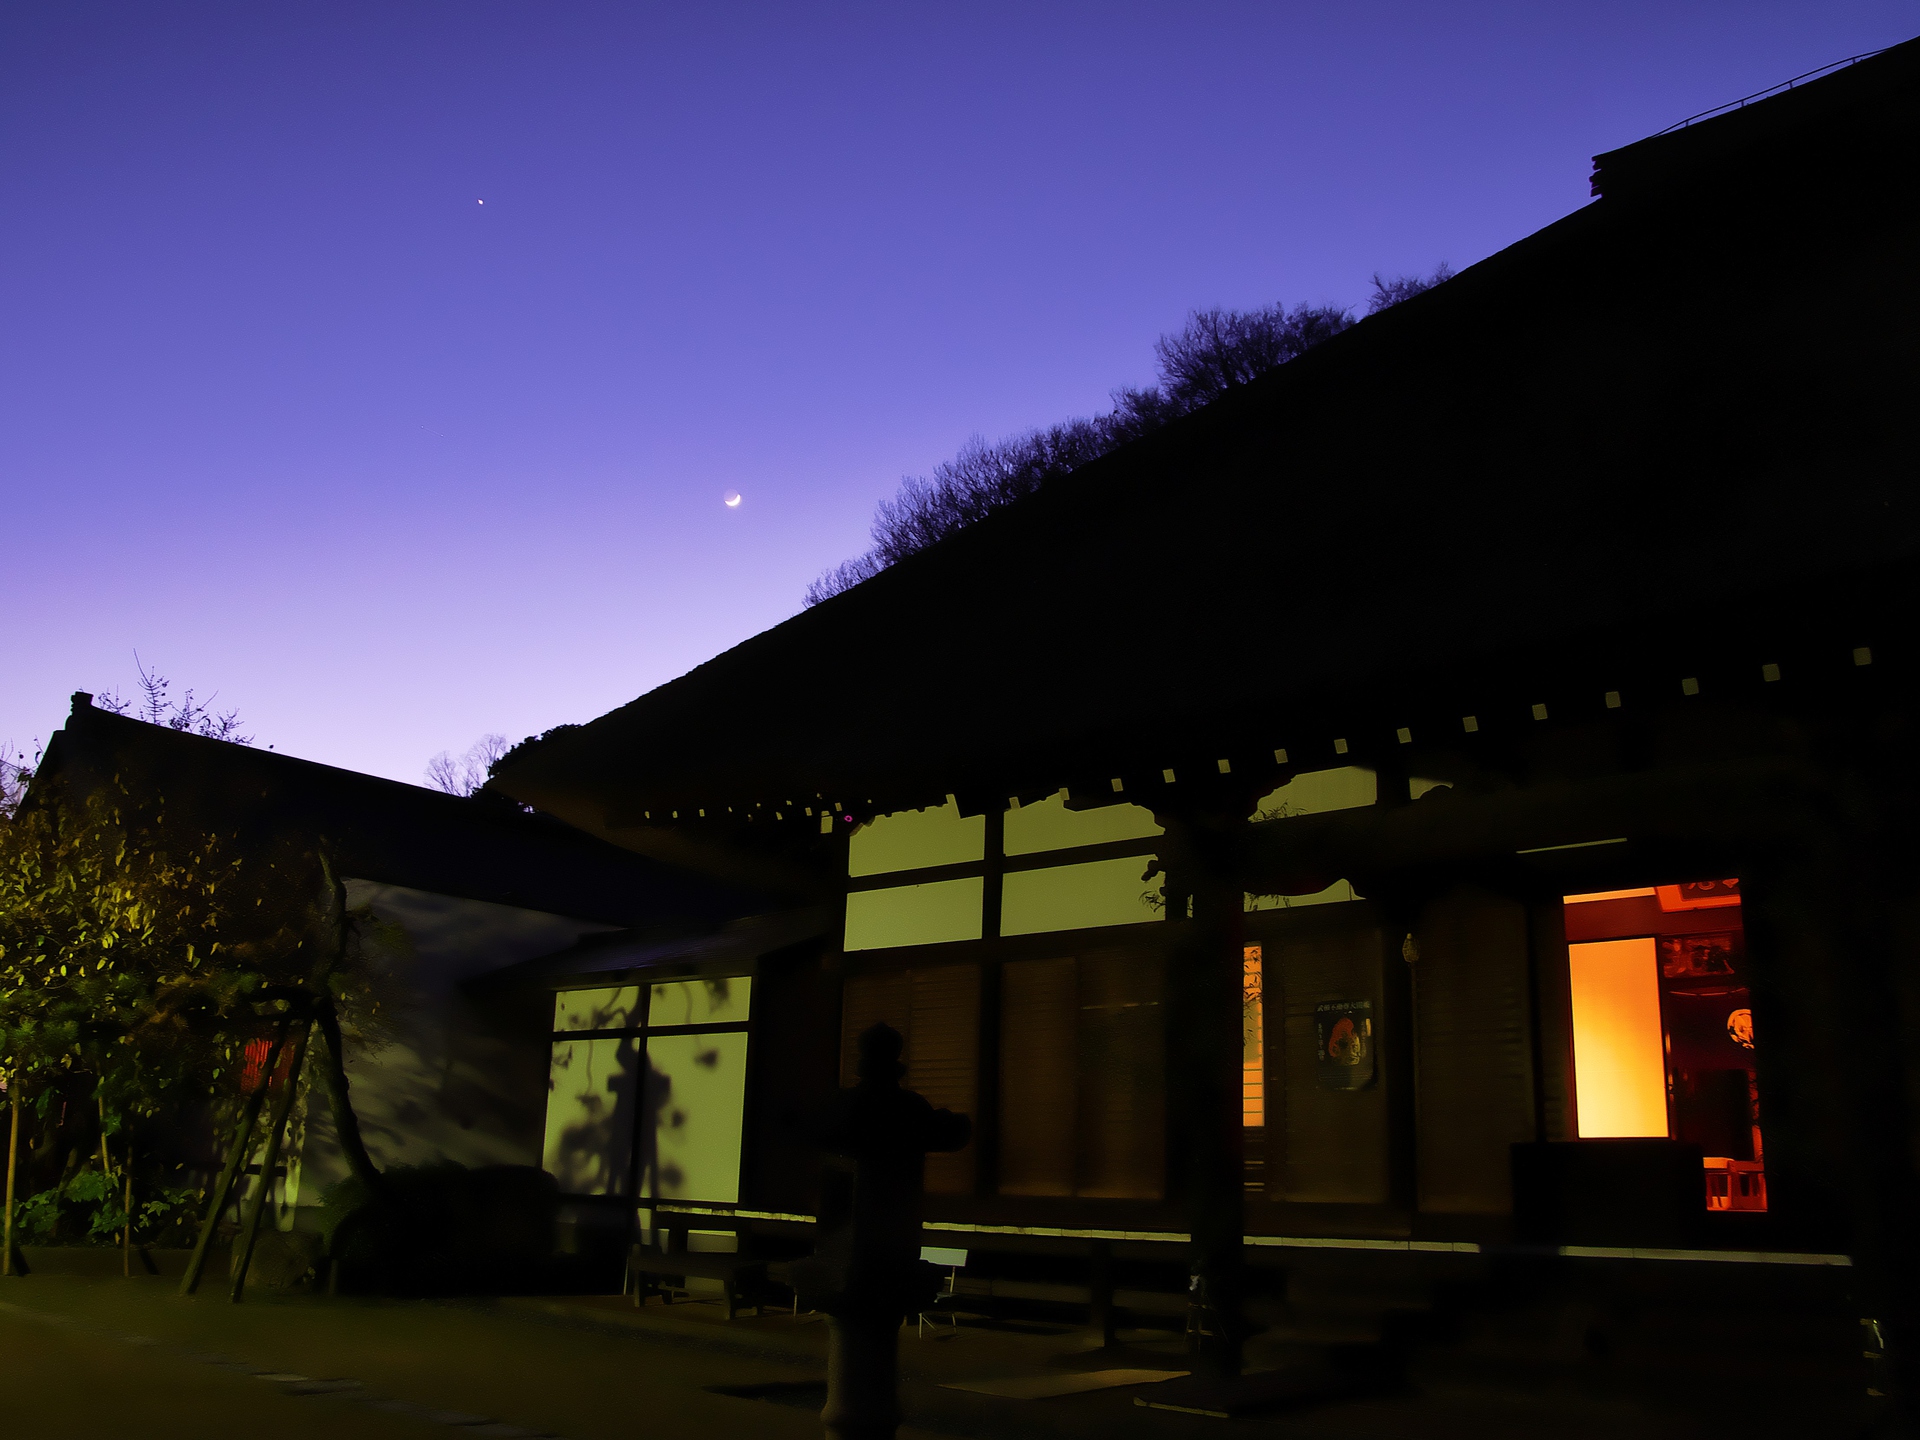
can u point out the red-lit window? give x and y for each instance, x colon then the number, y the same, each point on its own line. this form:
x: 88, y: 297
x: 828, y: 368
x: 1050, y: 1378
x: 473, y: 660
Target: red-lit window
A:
x: 254, y: 1060
x: 1663, y: 1032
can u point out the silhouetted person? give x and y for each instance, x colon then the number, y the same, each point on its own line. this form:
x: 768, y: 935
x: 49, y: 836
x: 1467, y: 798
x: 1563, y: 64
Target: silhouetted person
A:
x: 866, y: 1272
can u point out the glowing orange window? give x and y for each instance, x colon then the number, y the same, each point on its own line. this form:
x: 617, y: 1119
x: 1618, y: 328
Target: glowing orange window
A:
x: 1253, y: 1073
x: 1663, y: 1034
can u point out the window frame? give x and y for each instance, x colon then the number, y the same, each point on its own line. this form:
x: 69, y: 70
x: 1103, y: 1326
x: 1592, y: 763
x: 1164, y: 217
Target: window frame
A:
x: 646, y: 980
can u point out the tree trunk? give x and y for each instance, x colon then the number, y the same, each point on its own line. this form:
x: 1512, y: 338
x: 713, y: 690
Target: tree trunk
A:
x: 236, y: 1158
x: 126, y: 1230
x: 276, y: 1131
x: 13, y: 1159
x: 346, y: 1125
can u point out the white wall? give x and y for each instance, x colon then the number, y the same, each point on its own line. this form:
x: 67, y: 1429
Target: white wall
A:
x: 449, y: 1084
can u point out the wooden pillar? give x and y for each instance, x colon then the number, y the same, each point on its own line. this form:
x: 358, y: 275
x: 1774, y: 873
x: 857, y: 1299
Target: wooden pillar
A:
x: 1204, y: 1044
x: 1100, y: 1318
x: 986, y: 1119
x: 1834, y: 1010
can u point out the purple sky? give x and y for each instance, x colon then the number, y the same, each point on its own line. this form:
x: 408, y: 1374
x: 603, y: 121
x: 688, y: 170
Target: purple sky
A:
x: 285, y: 409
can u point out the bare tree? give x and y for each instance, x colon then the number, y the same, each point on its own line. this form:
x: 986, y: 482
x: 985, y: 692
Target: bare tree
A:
x: 188, y: 713
x: 844, y: 576
x: 1388, y: 292
x: 16, y: 772
x: 152, y: 704
x: 1220, y: 349
x: 1216, y: 351
x: 467, y: 773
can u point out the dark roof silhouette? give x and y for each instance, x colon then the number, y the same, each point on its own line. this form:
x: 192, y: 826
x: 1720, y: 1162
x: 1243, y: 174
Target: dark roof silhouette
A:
x: 383, y: 830
x: 738, y: 946
x: 1672, y: 434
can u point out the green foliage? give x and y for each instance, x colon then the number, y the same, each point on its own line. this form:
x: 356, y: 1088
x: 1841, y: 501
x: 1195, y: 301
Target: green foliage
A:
x: 91, y: 1204
x: 170, y: 1214
x: 139, y: 956
x: 114, y: 956
x: 89, y: 1186
x: 98, y: 1194
x: 85, y: 1201
x: 34, y: 1218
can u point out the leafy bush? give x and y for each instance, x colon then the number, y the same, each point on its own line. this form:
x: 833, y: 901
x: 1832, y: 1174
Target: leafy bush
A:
x: 90, y: 1205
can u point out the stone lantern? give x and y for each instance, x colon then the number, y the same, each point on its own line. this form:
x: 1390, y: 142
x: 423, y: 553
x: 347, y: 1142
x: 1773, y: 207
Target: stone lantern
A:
x: 866, y: 1274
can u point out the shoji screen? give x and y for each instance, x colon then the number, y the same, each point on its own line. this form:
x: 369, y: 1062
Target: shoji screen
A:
x: 1039, y: 1007
x: 1619, y: 1054
x: 1122, y: 1095
x: 1083, y: 1077
x: 937, y: 1012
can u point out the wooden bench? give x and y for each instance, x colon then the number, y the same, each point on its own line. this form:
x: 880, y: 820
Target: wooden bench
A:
x: 742, y: 1278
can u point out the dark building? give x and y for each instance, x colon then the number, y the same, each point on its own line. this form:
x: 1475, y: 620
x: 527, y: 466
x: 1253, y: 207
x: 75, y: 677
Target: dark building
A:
x: 457, y: 1071
x: 1448, y: 798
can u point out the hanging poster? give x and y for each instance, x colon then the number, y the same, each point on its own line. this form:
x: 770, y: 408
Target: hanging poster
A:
x: 1700, y: 960
x: 1345, y: 1032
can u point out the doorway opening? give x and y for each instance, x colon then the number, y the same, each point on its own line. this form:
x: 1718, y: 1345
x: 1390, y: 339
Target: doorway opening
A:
x: 1663, y: 1037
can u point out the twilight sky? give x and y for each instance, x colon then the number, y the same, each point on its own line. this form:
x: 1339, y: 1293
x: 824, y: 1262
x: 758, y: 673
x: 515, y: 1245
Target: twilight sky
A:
x: 288, y: 410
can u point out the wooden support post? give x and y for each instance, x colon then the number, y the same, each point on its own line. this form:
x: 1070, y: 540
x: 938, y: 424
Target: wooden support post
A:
x: 106, y: 1171
x: 1204, y: 1051
x: 1831, y: 961
x: 126, y: 1230
x: 236, y: 1158
x: 986, y: 1119
x: 13, y: 1160
x: 276, y: 1132
x: 1100, y: 1286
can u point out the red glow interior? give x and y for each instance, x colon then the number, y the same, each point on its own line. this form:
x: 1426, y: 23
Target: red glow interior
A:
x: 1692, y: 946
